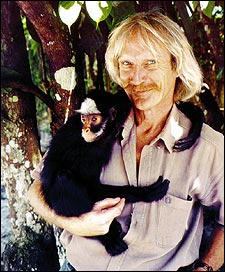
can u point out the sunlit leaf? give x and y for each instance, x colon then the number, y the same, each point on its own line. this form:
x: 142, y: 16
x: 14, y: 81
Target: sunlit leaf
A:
x: 208, y: 11
x: 98, y: 10
x: 66, y: 4
x: 194, y: 4
x: 69, y: 11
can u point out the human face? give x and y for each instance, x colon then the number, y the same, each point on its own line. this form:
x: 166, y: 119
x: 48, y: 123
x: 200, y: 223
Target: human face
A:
x: 148, y: 81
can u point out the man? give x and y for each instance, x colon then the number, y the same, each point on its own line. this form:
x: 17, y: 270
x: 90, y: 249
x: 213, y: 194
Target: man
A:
x: 150, y: 58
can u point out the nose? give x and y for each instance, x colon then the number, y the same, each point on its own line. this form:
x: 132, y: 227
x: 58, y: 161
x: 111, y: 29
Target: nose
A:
x: 137, y: 76
x: 86, y: 127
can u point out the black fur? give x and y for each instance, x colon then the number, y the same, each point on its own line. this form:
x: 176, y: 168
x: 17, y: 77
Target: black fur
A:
x: 70, y: 176
x: 196, y: 115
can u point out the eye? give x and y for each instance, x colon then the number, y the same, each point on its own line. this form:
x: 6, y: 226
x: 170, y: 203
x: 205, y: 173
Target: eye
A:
x: 83, y: 118
x: 125, y: 63
x: 151, y: 62
x: 96, y: 119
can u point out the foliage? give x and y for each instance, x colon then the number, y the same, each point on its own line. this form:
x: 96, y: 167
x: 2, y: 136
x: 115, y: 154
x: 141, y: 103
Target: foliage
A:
x: 208, y: 43
x: 33, y: 53
x: 98, y: 10
x: 69, y: 11
x: 112, y: 12
x: 90, y: 22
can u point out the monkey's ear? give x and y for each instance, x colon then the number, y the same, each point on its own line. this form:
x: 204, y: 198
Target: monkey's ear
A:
x: 113, y: 113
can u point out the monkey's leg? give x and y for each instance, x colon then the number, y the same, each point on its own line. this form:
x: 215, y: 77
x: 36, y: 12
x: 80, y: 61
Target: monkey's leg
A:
x: 133, y: 194
x: 67, y: 197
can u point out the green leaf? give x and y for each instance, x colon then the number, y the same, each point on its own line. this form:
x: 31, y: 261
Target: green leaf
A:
x: 220, y: 74
x: 66, y: 4
x: 122, y: 11
x: 209, y: 9
x: 98, y: 10
x: 69, y: 11
x: 194, y: 3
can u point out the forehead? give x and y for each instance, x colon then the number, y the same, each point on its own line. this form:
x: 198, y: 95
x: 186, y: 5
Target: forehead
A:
x: 88, y: 106
x: 143, y: 47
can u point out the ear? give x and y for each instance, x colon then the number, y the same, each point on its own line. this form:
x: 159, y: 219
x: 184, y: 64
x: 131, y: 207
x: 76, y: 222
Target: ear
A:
x: 113, y: 113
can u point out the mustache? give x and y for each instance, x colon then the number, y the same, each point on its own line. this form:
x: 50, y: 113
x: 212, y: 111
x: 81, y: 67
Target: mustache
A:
x: 141, y: 88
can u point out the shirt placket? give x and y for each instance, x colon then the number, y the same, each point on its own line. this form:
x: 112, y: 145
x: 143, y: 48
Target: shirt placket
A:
x: 139, y: 210
x: 129, y: 158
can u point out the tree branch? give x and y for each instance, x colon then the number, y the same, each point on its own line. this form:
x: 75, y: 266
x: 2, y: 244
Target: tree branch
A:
x: 53, y: 34
x: 13, y: 79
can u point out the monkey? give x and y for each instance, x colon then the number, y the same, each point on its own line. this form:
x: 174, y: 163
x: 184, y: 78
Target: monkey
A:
x: 77, y: 153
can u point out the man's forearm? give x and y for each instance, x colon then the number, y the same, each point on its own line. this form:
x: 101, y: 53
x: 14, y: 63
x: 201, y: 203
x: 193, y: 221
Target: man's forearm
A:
x: 37, y: 201
x: 214, y: 255
x: 95, y: 222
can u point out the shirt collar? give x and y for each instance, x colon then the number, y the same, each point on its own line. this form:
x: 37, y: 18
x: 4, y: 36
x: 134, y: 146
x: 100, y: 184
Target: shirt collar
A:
x: 171, y: 131
x: 177, y: 127
x: 128, y: 125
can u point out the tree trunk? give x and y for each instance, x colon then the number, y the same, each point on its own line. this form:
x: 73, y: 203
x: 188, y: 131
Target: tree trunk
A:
x: 27, y: 249
x: 55, y: 40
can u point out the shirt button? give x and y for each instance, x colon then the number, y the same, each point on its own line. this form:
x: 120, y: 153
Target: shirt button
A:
x: 167, y: 200
x: 158, y: 146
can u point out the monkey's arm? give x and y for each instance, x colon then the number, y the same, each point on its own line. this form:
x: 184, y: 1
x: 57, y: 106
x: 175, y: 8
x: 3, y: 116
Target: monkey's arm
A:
x: 97, y: 218
x: 195, y: 114
x: 133, y: 194
x: 58, y: 185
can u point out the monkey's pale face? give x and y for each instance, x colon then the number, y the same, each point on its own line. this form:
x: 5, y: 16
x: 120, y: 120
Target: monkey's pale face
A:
x: 147, y: 81
x: 92, y: 126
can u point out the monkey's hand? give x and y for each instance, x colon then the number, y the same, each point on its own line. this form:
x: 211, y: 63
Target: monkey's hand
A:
x: 113, y: 240
x: 157, y: 190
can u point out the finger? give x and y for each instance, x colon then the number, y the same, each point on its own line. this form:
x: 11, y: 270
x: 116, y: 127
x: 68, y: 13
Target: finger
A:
x: 114, y: 211
x: 106, y: 203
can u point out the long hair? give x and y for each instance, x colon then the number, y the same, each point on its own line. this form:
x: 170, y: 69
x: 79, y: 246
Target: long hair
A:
x: 153, y: 29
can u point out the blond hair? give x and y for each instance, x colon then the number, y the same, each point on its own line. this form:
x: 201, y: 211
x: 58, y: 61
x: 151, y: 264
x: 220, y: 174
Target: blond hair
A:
x: 152, y: 28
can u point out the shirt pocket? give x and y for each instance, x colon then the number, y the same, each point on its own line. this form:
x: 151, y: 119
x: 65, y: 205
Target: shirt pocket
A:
x: 174, y: 213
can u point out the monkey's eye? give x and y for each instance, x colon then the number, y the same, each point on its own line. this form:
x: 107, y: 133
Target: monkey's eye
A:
x: 83, y: 118
x: 96, y: 119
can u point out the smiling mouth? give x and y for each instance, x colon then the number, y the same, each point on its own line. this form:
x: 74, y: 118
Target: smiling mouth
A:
x: 141, y: 93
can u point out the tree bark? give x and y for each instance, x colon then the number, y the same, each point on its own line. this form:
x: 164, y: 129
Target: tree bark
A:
x: 55, y: 39
x: 27, y: 249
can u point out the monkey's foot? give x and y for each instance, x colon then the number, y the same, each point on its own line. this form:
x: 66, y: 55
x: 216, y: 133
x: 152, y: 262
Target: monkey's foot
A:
x: 114, y: 246
x: 113, y: 241
x: 157, y: 190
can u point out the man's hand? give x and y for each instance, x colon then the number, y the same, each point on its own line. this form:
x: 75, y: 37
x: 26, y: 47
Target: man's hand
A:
x: 97, y: 221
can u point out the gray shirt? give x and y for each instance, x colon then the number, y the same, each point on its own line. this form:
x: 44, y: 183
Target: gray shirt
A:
x: 162, y: 235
